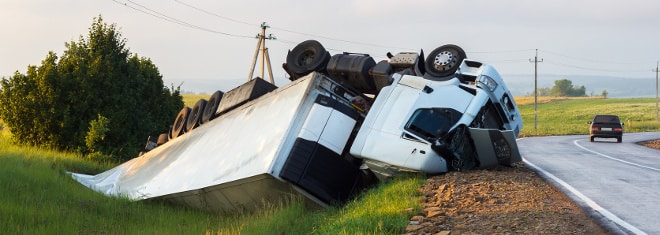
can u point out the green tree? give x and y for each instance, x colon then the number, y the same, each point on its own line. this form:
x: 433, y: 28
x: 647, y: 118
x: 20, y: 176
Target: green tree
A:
x: 57, y: 103
x: 564, y: 87
x: 97, y: 131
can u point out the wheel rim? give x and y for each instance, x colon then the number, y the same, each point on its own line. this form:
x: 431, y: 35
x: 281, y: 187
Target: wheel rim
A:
x: 444, y: 60
x: 306, y: 58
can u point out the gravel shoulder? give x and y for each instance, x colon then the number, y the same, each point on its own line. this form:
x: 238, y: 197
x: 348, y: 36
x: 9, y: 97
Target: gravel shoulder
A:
x: 502, y: 200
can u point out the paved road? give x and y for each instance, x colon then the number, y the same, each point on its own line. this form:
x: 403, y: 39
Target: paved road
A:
x: 618, y: 182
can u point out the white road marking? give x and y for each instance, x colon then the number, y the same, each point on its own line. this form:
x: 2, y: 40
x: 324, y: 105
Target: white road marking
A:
x: 615, y: 159
x: 588, y: 201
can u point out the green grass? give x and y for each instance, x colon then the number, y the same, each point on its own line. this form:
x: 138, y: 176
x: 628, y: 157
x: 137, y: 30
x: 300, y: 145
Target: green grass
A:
x: 570, y: 116
x: 37, y: 196
x: 382, y: 210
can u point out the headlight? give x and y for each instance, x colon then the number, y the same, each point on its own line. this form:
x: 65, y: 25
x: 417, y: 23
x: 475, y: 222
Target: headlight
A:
x: 487, y: 82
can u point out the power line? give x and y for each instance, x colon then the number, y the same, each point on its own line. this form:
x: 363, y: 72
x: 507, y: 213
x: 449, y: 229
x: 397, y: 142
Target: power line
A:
x: 592, y: 69
x: 589, y: 60
x: 162, y: 16
x: 288, y: 30
x: 214, y: 14
x: 343, y: 40
x: 501, y: 52
x: 507, y: 61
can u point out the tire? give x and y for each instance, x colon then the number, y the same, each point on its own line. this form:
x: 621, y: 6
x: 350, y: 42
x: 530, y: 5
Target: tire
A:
x: 179, y: 127
x: 306, y: 57
x: 444, y: 61
x: 591, y: 139
x: 211, y: 107
x: 619, y: 139
x: 195, y: 116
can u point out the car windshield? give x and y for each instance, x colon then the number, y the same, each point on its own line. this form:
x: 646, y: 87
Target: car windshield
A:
x: 606, y: 119
x: 432, y: 123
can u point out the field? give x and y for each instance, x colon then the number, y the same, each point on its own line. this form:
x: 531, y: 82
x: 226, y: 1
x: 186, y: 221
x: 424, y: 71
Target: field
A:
x: 562, y: 116
x: 37, y: 196
x: 190, y: 99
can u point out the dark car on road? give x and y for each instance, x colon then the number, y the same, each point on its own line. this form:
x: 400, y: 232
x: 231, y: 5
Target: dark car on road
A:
x: 606, y: 126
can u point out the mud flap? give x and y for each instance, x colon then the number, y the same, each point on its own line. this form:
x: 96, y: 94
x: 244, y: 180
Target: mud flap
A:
x: 495, y: 147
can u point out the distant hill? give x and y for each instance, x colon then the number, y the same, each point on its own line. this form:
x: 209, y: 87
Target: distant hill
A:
x: 617, y: 87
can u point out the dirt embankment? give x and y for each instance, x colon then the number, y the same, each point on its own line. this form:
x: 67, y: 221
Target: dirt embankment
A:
x: 503, y: 200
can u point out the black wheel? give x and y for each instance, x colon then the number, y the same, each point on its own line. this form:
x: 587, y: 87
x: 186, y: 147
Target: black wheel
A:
x: 212, y: 106
x: 179, y: 126
x: 591, y: 139
x: 169, y: 133
x: 619, y: 139
x: 306, y: 57
x: 444, y: 61
x: 195, y: 116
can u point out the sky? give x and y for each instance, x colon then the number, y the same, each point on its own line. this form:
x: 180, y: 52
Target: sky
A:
x: 206, y: 45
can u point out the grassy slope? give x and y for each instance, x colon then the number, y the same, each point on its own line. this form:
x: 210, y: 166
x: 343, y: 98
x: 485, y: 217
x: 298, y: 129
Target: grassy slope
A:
x: 37, y: 196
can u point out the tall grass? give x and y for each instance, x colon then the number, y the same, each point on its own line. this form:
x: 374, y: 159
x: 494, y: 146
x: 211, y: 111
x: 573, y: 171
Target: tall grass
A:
x: 37, y: 196
x: 379, y: 211
x: 382, y: 210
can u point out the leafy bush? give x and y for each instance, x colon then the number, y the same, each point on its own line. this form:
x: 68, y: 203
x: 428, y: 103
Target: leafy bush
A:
x: 53, y: 104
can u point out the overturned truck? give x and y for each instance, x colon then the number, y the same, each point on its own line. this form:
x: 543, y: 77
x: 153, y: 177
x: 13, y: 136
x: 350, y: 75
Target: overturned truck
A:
x: 342, y: 123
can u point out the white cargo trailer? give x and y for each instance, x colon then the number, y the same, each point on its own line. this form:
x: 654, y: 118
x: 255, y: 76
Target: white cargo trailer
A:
x: 286, y: 142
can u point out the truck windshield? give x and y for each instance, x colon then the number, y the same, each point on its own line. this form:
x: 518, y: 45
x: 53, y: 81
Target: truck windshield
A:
x: 432, y: 123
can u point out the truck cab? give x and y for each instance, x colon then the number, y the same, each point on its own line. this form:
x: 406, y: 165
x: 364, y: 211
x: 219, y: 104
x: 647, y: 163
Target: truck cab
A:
x: 420, y: 124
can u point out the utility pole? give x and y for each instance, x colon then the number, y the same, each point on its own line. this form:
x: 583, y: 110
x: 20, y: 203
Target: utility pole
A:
x: 656, y: 90
x: 536, y: 93
x: 265, y: 58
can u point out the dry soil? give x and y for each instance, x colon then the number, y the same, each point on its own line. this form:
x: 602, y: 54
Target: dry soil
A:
x: 502, y: 200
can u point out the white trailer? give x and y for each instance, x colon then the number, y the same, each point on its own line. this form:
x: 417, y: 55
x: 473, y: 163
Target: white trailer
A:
x: 286, y: 142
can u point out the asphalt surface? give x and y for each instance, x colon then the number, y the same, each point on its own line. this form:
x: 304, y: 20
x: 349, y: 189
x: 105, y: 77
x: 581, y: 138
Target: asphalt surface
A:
x: 617, y: 183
